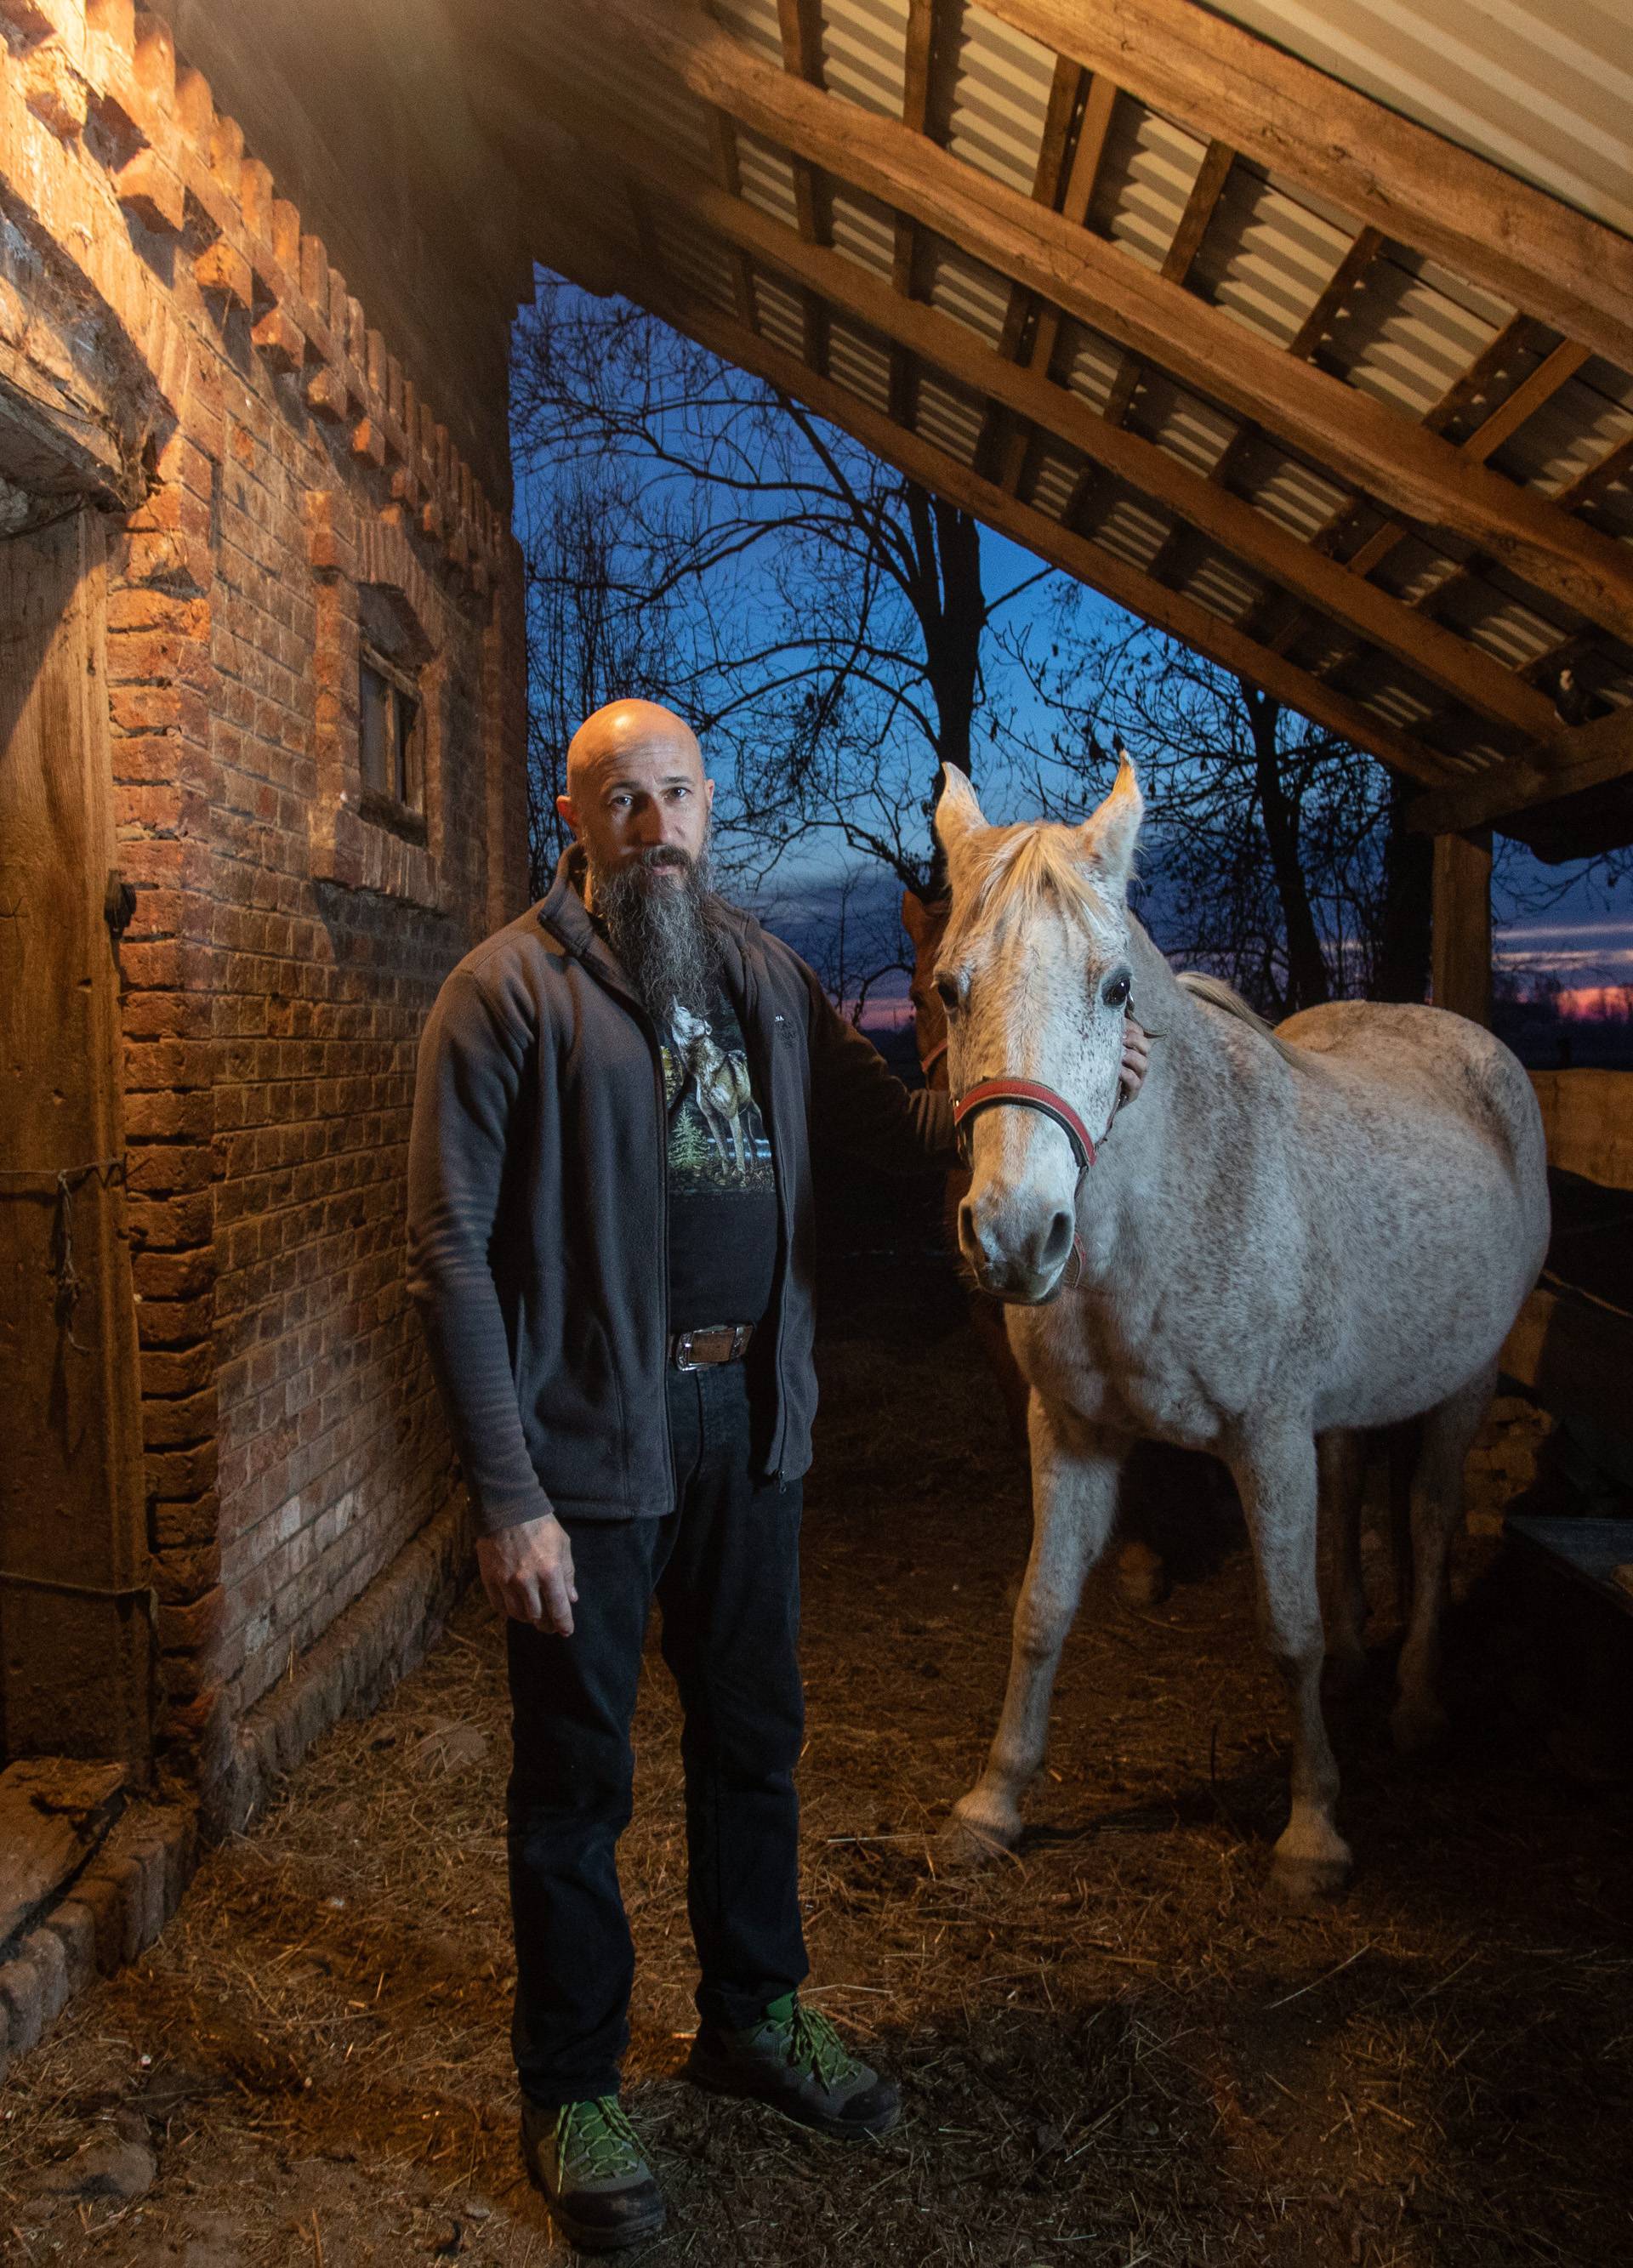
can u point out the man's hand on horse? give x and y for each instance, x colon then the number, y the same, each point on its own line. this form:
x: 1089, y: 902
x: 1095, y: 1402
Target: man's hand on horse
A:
x: 526, y: 1573
x: 1136, y: 1057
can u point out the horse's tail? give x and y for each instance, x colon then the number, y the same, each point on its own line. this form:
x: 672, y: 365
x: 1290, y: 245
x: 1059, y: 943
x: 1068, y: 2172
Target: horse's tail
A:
x: 1220, y: 995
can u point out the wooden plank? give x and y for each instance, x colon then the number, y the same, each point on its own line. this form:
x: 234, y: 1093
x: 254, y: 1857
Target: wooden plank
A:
x: 1216, y: 79
x: 1089, y: 562
x: 1341, y: 287
x: 1358, y: 438
x: 1065, y: 89
x: 1588, y: 1118
x: 1236, y: 526
x: 74, y: 1641
x: 1461, y: 935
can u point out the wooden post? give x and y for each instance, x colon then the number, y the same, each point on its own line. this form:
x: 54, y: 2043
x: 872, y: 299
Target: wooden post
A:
x: 1460, y: 975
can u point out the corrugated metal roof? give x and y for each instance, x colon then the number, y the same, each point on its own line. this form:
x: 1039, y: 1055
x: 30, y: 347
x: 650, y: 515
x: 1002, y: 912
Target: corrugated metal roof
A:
x: 1000, y: 95
x: 1544, y: 89
x: 1409, y: 334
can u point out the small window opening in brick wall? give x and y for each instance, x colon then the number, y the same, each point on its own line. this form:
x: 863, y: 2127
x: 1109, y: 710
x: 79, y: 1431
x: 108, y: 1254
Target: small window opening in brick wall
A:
x: 391, y: 714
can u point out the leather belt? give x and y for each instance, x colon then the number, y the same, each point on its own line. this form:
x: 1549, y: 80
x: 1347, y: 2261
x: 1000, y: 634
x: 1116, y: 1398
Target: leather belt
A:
x: 714, y: 1343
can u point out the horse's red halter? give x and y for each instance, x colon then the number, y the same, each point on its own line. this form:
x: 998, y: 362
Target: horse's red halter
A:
x: 1032, y: 1094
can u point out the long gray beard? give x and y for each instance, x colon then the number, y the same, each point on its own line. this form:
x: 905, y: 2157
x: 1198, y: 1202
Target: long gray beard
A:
x: 668, y: 938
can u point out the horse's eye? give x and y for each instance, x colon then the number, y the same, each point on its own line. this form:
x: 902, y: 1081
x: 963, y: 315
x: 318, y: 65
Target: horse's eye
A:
x: 949, y: 994
x: 1116, y: 992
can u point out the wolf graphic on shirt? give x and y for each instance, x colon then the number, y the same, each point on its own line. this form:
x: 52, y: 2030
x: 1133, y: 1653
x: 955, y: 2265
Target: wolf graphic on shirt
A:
x: 717, y: 1137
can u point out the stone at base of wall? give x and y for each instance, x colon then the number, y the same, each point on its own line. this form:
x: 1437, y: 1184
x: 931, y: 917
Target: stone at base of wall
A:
x: 379, y: 1638
x: 112, y: 1913
x: 115, y: 1909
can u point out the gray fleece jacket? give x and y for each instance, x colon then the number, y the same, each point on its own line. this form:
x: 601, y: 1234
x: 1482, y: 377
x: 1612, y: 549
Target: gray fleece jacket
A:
x: 538, y: 1225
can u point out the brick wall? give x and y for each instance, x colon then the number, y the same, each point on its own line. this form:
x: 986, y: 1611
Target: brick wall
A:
x: 285, y: 945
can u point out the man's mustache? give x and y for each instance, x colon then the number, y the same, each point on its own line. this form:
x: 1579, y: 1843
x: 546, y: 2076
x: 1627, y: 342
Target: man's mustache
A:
x: 665, y: 854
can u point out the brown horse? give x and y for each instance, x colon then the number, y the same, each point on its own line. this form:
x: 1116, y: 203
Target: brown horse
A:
x: 1139, y: 1575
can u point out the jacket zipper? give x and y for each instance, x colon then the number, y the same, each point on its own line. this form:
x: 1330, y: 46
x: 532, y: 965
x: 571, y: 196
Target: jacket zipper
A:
x: 768, y: 1079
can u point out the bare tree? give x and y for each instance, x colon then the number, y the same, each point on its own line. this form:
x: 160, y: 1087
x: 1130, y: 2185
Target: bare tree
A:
x: 1279, y: 851
x: 821, y: 621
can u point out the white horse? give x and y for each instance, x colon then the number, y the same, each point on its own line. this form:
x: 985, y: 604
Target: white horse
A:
x: 1287, y: 1238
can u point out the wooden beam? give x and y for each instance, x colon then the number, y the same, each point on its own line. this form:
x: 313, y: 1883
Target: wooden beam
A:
x: 1587, y: 486
x: 1594, y: 756
x: 1489, y: 436
x: 1214, y: 78
x: 1358, y: 438
x: 1089, y: 562
x: 800, y: 23
x: 1460, y: 931
x: 723, y: 146
x: 1200, y: 206
x: 1065, y: 88
x: 1340, y: 288
x: 918, y: 67
x: 1249, y: 535
x: 1206, y: 191
x: 1554, y: 370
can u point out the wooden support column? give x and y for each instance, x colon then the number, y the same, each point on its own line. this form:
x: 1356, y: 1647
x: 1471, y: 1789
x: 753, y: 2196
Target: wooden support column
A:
x: 1460, y: 945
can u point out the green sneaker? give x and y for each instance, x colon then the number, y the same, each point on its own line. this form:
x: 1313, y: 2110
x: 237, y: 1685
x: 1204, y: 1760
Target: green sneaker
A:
x: 586, y: 2159
x: 794, y: 2060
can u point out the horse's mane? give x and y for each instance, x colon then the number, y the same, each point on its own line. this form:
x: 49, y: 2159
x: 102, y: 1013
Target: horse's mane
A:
x: 1220, y: 995
x: 1032, y: 864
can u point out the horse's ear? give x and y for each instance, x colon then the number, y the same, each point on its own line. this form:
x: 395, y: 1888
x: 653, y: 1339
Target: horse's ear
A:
x: 957, y: 813
x: 915, y: 918
x: 1111, y: 832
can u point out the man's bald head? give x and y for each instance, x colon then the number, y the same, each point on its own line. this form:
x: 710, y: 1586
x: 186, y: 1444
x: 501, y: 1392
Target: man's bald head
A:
x: 625, y: 729
x: 636, y: 788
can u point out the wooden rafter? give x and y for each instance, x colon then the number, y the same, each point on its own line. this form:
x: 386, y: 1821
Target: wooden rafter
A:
x: 800, y: 27
x: 1529, y: 249
x: 723, y: 147
x: 1358, y: 438
x: 1091, y: 562
x: 918, y: 73
x: 1338, y: 291
x: 1205, y: 192
x: 1601, y: 752
x: 1588, y: 486
x: 1222, y: 518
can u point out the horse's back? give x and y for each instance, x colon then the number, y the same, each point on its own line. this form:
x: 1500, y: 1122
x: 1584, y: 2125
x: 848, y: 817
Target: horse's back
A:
x: 1417, y: 1060
x: 1426, y: 1193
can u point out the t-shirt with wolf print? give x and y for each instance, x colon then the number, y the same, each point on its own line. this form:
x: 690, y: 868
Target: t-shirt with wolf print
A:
x: 723, y: 1183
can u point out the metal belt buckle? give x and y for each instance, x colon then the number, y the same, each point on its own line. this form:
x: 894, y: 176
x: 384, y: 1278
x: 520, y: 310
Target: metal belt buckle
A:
x: 685, y: 1340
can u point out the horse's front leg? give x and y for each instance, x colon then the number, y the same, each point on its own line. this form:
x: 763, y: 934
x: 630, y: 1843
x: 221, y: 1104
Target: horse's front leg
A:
x: 1275, y: 1472
x: 1074, y: 1475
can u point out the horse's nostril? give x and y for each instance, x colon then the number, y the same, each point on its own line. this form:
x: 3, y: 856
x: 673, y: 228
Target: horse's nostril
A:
x: 1058, y: 1243
x: 966, y: 1227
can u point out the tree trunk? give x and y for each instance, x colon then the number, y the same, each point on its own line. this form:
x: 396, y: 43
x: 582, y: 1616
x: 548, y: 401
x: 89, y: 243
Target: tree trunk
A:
x: 1307, y: 980
x: 951, y: 606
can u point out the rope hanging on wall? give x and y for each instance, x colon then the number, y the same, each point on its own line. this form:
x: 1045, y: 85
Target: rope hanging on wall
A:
x: 57, y: 1184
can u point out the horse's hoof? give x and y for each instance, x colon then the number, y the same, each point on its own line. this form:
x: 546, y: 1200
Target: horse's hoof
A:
x: 1416, y: 1725
x: 1301, y: 1883
x: 1141, y: 1578
x: 968, y: 1841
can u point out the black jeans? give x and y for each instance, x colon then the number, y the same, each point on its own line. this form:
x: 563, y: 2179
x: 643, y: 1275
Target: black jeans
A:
x: 724, y: 1567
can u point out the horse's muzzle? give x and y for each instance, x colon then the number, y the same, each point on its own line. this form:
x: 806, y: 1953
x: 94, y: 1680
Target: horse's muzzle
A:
x: 1026, y: 1269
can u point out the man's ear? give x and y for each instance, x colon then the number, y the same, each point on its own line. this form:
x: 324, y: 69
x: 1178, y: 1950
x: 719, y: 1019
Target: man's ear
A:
x: 1109, y: 834
x: 567, y: 814
x: 957, y: 813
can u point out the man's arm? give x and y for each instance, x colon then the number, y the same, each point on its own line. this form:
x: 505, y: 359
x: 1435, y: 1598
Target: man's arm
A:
x: 858, y: 1102
x: 470, y: 1071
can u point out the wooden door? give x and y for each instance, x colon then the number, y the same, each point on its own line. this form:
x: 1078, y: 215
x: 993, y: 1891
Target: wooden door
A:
x: 74, y: 1615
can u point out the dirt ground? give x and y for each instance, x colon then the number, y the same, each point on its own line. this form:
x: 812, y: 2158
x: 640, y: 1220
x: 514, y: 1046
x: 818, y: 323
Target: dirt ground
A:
x: 1115, y: 2048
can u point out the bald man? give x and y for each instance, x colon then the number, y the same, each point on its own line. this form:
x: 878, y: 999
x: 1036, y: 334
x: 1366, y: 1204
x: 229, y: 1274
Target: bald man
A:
x: 610, y: 1244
